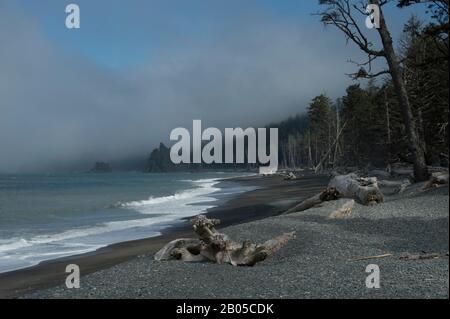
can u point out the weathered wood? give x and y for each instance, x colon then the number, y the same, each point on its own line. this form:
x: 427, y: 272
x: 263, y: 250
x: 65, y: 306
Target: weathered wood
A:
x: 177, y: 247
x: 326, y: 195
x: 218, y: 247
x: 363, y: 189
x: 291, y: 176
x: 437, y: 179
x: 371, y: 257
x: 408, y: 256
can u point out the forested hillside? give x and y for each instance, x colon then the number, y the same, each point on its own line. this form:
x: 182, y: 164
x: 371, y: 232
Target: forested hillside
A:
x: 395, y: 115
x: 367, y: 126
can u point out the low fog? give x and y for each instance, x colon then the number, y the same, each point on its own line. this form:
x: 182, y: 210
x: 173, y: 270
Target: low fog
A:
x: 60, y: 109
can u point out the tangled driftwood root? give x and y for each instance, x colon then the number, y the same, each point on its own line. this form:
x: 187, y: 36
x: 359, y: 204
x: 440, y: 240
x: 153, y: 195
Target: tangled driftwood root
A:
x: 218, y: 247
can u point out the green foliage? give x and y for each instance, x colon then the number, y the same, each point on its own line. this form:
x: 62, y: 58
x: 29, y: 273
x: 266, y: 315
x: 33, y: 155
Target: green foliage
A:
x: 374, y: 128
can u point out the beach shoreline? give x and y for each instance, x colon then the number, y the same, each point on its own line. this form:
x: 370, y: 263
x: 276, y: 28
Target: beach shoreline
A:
x: 271, y: 197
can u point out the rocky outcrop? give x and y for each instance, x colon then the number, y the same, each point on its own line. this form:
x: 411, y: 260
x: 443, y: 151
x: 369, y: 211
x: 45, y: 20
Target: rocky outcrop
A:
x: 159, y: 160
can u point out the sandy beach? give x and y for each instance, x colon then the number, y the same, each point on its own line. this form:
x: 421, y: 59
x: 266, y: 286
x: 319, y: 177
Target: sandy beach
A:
x: 319, y: 263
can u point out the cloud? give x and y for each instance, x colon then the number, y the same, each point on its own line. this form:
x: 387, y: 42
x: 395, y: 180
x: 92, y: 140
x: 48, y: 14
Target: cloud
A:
x: 58, y: 109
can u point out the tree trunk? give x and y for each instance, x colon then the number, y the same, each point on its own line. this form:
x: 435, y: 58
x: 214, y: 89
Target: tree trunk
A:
x: 320, y: 164
x: 420, y: 168
x: 337, y: 138
x: 388, y: 126
x: 326, y: 195
x: 309, y: 150
x: 364, y: 189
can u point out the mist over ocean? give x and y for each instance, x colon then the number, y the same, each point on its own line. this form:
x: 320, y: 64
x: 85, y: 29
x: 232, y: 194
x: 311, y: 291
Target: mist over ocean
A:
x: 45, y: 217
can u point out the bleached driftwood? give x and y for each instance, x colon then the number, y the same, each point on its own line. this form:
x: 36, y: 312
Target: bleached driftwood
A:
x: 363, y: 189
x: 326, y: 195
x: 344, y: 211
x: 437, y: 179
x: 218, y: 247
x: 183, y: 248
x: 291, y: 176
x: 371, y: 257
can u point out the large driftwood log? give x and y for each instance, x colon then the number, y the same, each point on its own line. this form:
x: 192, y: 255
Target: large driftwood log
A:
x: 437, y: 179
x: 218, y: 247
x: 363, y: 189
x: 326, y: 195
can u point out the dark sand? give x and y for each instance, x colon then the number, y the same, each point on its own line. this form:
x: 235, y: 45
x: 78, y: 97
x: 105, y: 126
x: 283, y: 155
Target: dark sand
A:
x: 272, y: 197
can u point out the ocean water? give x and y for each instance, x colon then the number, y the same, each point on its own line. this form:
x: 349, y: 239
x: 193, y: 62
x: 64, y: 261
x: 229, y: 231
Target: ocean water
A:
x: 45, y: 217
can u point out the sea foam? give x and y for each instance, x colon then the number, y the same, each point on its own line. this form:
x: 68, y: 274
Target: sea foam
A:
x: 160, y: 213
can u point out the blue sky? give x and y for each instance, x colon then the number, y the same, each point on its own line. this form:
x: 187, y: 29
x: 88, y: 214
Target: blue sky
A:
x: 118, y: 33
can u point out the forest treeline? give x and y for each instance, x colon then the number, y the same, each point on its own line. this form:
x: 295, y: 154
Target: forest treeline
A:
x: 399, y: 114
x: 366, y: 126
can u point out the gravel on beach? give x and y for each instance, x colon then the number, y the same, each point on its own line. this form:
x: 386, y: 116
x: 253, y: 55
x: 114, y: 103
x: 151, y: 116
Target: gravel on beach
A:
x: 317, y: 264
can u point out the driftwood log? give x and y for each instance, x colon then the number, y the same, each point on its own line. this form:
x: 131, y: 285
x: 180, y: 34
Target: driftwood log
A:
x: 408, y: 256
x: 363, y: 189
x: 292, y: 176
x: 437, y: 179
x: 326, y: 195
x: 218, y: 247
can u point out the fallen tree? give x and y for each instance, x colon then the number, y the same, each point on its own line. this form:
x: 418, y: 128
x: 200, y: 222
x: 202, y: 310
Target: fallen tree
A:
x: 363, y: 189
x: 326, y: 195
x: 437, y: 179
x: 218, y: 247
